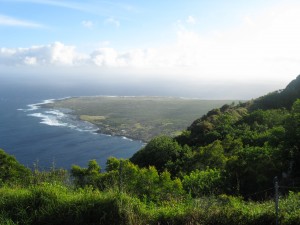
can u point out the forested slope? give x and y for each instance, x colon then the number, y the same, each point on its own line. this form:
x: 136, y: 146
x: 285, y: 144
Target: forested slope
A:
x: 247, y: 145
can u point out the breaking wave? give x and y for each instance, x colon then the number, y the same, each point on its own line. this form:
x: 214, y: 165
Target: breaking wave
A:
x: 58, y: 118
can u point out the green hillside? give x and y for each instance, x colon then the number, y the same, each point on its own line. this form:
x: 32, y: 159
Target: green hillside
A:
x: 248, y: 144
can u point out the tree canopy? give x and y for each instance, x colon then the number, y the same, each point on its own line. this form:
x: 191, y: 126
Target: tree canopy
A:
x: 249, y: 144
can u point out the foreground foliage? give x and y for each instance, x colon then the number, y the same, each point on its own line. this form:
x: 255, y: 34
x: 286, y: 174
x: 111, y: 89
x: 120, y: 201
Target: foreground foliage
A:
x: 127, y: 194
x: 56, y: 204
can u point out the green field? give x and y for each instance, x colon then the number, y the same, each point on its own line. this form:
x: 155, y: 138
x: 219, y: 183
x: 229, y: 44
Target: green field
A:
x: 139, y: 118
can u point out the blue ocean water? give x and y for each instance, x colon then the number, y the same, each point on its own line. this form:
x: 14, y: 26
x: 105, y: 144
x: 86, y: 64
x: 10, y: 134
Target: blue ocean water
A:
x: 47, y: 137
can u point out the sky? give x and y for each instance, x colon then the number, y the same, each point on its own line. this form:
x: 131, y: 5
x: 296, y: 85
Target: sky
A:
x: 232, y: 49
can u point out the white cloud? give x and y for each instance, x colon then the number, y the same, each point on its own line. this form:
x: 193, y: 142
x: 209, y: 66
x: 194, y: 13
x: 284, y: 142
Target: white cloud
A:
x: 10, y: 21
x: 62, y: 54
x: 63, y: 4
x: 53, y: 54
x: 191, y: 20
x: 87, y: 23
x: 109, y: 57
x: 95, y: 7
x: 30, y: 60
x: 106, y: 57
x: 264, y: 47
x: 112, y: 21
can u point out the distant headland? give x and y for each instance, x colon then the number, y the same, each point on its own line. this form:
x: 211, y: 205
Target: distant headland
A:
x: 139, y: 118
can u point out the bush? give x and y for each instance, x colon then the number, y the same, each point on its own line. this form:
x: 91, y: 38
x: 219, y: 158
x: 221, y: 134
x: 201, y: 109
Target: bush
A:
x: 199, y: 183
x: 11, y: 170
x: 56, y: 204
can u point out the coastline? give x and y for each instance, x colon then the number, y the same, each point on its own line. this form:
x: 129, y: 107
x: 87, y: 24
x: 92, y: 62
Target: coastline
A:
x: 116, y: 134
x: 49, y: 135
x: 138, y: 118
x: 101, y: 130
x: 120, y: 135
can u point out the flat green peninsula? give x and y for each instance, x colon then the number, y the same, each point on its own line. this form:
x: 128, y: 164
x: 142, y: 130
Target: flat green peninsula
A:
x: 139, y: 118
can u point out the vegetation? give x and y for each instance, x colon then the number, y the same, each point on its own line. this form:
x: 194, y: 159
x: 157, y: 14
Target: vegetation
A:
x: 140, y: 118
x: 242, y: 147
x: 54, y: 204
x: 218, y: 171
x: 127, y: 194
x: 11, y: 170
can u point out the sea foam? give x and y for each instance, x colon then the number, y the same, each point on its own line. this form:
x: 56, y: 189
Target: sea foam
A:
x: 59, y: 118
x: 48, y: 119
x: 126, y: 138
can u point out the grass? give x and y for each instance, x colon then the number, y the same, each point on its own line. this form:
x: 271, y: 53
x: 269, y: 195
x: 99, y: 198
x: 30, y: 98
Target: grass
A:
x: 92, y: 119
x: 52, y: 203
x: 139, y: 118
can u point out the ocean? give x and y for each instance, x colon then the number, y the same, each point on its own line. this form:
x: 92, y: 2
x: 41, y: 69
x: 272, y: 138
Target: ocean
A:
x: 49, y: 138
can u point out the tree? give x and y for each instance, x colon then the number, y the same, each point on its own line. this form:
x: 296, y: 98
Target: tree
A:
x: 205, y: 182
x: 157, y: 152
x: 86, y: 176
x: 112, y: 163
x: 251, y: 169
x: 10, y: 169
x: 212, y: 155
x: 145, y: 183
x: 293, y: 138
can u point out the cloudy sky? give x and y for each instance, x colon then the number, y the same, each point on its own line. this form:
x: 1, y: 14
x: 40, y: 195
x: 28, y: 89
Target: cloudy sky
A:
x: 234, y: 42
